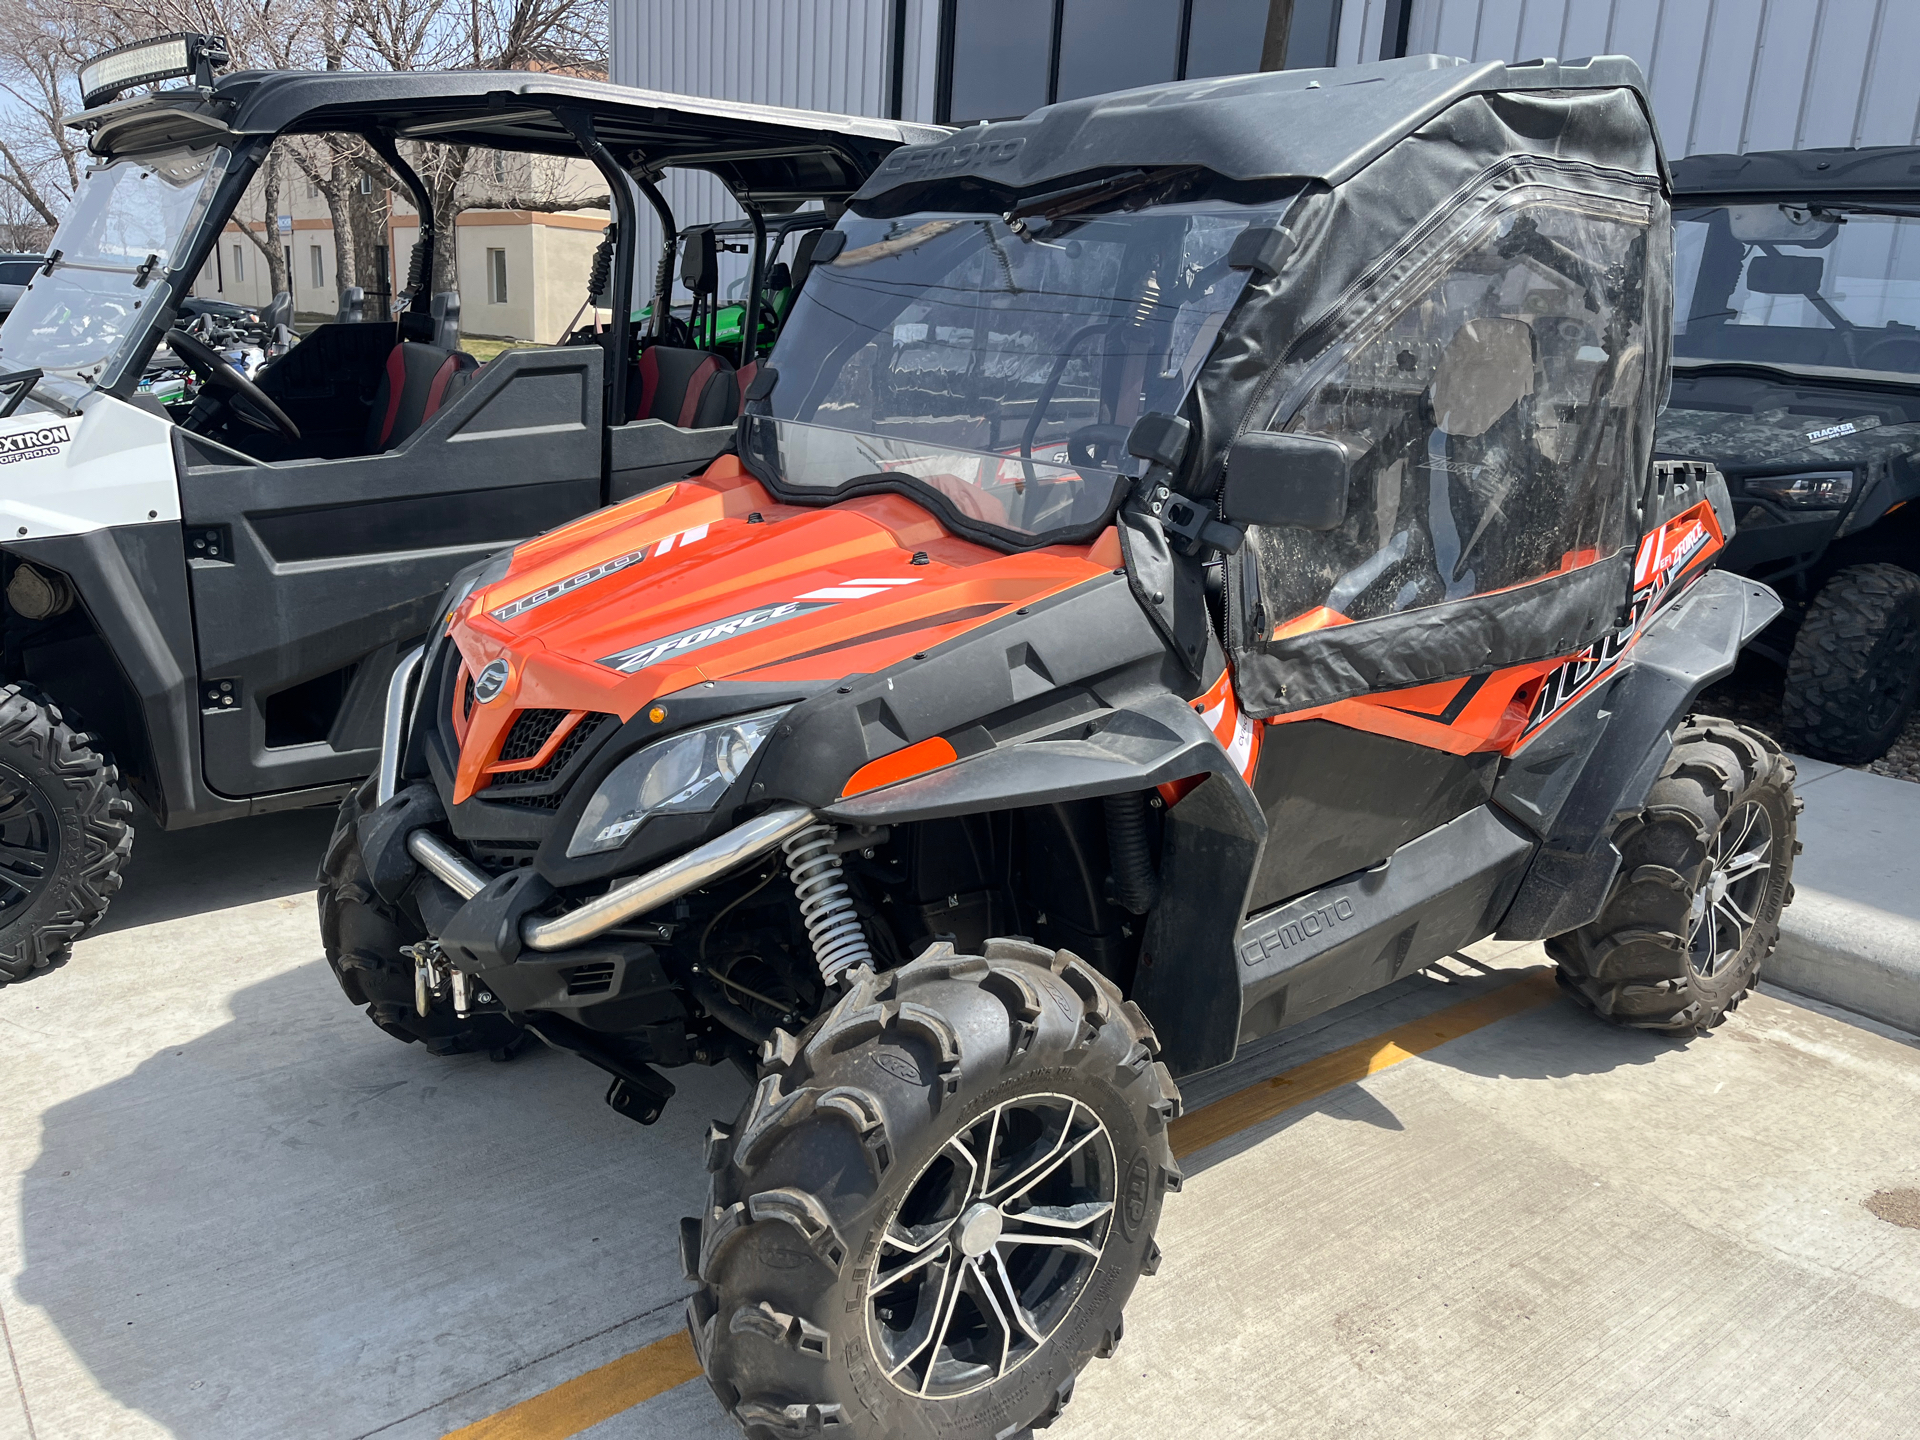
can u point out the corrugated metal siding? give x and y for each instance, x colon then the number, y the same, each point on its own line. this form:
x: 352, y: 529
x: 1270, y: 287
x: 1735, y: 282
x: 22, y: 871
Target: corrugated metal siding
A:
x: 814, y: 54
x: 1725, y: 74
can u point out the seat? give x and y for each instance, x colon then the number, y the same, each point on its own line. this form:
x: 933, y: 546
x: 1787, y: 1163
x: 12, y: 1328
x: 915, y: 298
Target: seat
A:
x: 420, y: 378
x: 693, y: 389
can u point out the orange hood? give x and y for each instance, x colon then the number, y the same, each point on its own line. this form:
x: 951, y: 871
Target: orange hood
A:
x: 712, y: 579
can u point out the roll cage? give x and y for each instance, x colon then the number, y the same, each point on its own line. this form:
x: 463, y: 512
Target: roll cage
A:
x: 772, y: 160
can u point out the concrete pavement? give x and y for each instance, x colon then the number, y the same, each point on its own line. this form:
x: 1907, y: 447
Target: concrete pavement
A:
x: 1852, y: 935
x: 233, y: 1208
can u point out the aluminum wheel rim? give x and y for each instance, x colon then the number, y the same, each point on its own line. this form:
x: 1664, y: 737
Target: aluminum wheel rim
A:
x: 29, y: 841
x: 1728, y: 900
x: 991, y: 1246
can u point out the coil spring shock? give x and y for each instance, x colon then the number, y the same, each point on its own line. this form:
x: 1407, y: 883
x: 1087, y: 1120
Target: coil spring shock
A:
x: 826, y: 906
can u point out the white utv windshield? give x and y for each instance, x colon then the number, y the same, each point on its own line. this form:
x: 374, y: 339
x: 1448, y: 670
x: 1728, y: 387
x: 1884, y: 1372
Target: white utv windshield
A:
x: 131, y: 224
x: 993, y: 368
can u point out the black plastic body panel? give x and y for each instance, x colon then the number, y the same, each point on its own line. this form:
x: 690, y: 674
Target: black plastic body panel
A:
x: 1188, y: 980
x: 1690, y: 644
x: 338, y: 563
x: 1340, y: 800
x: 1446, y: 889
x: 132, y: 582
x: 645, y: 454
x: 1090, y: 630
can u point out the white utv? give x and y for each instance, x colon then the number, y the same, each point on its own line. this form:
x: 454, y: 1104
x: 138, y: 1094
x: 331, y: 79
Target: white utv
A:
x: 205, y: 601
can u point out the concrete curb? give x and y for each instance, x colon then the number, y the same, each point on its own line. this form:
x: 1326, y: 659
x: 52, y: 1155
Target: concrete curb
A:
x: 1850, y: 955
x: 1852, y: 935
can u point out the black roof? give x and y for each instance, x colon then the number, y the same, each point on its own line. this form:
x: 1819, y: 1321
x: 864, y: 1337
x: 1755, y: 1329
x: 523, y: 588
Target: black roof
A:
x: 1322, y: 125
x: 1832, y: 174
x: 763, y: 152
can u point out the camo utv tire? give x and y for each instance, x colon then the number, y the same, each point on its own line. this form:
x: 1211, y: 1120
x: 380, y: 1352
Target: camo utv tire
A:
x: 1705, y: 869
x: 65, y: 833
x: 364, y: 936
x: 1854, y: 675
x: 929, y: 1216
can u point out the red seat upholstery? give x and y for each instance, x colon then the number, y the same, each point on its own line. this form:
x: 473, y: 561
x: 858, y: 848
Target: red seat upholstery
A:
x: 418, y: 381
x: 693, y: 389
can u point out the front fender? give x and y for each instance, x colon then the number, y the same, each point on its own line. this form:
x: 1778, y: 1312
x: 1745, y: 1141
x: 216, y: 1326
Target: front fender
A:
x: 1151, y: 741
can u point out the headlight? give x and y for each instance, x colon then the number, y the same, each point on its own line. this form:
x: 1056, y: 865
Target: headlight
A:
x: 686, y: 775
x: 1827, y: 490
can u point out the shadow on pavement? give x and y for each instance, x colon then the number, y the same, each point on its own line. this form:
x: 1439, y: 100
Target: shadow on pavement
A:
x: 1553, y: 1042
x: 293, y: 1225
x: 215, y: 867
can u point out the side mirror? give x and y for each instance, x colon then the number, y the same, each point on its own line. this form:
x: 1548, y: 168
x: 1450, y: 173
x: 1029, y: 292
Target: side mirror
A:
x: 1276, y: 479
x: 1785, y: 274
x: 700, y: 263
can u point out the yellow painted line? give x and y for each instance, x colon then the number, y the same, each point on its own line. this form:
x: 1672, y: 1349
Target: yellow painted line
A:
x: 598, y: 1395
x: 1267, y: 1098
x: 618, y: 1386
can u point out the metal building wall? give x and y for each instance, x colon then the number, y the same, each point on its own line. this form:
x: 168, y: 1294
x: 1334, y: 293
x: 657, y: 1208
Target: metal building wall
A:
x: 1726, y: 75
x: 834, y: 55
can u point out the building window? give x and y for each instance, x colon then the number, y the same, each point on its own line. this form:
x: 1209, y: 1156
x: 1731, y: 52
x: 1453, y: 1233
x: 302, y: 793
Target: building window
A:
x: 239, y: 266
x: 366, y: 183
x: 497, y: 276
x: 1116, y: 45
x: 1000, y: 59
x: 319, y: 267
x: 219, y: 273
x: 1226, y: 37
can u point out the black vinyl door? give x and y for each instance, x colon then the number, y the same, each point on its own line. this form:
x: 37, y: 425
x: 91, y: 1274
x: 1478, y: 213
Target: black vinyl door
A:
x: 310, y: 578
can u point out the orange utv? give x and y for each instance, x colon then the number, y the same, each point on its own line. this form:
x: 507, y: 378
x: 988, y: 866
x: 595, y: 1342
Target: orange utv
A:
x: 1193, y: 556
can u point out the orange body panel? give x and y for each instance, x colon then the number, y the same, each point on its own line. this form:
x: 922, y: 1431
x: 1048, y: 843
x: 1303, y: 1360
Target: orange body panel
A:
x: 825, y: 592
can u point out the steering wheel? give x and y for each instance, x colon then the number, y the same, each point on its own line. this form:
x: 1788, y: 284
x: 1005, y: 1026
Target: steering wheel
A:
x: 215, y: 371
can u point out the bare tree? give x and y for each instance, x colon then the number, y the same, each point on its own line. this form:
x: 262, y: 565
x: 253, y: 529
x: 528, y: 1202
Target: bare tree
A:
x: 267, y: 239
x: 43, y: 43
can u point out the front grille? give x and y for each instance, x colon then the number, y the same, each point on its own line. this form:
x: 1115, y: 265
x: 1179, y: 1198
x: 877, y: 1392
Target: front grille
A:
x: 594, y: 979
x: 577, y: 738
x: 531, y: 729
x: 466, y: 700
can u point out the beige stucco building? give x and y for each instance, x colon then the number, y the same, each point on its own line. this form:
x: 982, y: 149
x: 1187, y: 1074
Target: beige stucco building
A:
x: 522, y: 274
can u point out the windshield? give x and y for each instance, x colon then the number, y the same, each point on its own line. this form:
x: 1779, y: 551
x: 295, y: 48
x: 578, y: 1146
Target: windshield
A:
x: 1798, y: 285
x: 132, y: 222
x: 994, y: 367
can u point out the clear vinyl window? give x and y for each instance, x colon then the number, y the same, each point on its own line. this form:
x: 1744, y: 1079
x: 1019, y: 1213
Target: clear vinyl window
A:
x: 1492, y: 406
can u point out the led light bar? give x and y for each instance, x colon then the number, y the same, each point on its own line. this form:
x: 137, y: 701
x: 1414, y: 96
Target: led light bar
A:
x: 150, y: 62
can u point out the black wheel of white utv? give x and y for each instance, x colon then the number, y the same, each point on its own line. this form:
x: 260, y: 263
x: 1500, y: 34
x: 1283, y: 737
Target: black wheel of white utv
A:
x: 932, y: 1211
x: 65, y: 834
x: 1705, y: 869
x: 363, y: 937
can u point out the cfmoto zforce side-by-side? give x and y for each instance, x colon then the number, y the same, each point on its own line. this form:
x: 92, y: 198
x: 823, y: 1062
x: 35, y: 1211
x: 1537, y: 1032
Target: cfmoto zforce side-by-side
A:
x: 1192, y: 557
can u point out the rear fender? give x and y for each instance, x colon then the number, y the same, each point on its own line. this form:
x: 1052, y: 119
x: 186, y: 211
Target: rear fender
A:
x: 1612, y: 747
